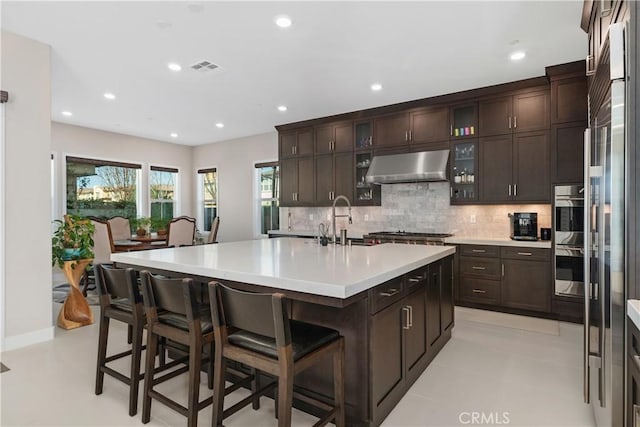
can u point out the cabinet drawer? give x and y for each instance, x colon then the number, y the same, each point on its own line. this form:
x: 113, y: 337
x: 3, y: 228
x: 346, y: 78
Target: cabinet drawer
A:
x: 488, y: 268
x: 416, y: 278
x: 480, y: 290
x: 386, y: 294
x: 480, y: 250
x: 533, y: 254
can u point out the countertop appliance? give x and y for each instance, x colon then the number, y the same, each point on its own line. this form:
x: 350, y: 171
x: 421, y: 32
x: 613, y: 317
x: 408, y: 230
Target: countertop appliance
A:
x: 568, y: 229
x: 416, y: 238
x: 604, y: 238
x: 523, y: 226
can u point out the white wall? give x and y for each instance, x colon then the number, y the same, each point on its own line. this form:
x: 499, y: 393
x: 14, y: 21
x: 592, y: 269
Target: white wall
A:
x: 96, y: 144
x: 235, y: 160
x: 27, y: 306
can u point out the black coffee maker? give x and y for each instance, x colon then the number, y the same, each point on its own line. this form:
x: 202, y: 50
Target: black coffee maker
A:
x: 523, y: 226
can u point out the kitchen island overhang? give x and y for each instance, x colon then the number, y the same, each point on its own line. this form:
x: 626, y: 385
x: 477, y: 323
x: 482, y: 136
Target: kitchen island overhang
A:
x: 393, y: 304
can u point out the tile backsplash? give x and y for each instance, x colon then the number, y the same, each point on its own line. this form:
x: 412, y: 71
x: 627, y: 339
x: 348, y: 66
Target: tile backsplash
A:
x: 421, y: 207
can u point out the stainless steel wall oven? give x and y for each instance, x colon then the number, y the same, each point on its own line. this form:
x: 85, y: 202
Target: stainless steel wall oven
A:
x: 568, y: 229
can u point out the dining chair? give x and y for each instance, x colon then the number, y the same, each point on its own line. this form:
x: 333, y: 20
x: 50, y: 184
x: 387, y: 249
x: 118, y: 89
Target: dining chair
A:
x: 213, y: 235
x: 120, y: 228
x: 102, y: 250
x: 254, y: 330
x: 181, y: 231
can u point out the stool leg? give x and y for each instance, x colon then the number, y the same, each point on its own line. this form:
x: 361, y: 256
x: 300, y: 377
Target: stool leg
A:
x: 285, y: 395
x: 136, y: 354
x: 338, y: 384
x: 219, y: 370
x: 162, y: 351
x: 152, y: 344
x: 210, y: 367
x: 129, y: 334
x: 195, y: 358
x: 102, y: 352
x: 255, y: 386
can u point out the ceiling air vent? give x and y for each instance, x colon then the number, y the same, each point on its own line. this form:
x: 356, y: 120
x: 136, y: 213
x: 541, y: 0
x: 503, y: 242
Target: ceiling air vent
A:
x: 204, y: 66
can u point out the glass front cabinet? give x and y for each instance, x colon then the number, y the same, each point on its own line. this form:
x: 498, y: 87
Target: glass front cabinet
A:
x: 464, y: 166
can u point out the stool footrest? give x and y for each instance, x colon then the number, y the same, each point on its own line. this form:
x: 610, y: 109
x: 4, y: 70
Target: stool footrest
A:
x: 247, y: 400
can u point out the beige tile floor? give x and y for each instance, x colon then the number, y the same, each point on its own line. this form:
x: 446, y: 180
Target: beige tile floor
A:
x: 515, y: 370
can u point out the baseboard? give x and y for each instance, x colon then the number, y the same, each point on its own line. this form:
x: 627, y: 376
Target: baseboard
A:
x: 30, y: 338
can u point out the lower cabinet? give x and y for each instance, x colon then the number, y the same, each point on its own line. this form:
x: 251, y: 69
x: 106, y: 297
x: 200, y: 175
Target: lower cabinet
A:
x: 410, y: 320
x: 513, y: 277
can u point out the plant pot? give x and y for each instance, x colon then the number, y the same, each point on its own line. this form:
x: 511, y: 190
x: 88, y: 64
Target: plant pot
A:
x: 162, y: 232
x: 141, y: 232
x: 71, y: 253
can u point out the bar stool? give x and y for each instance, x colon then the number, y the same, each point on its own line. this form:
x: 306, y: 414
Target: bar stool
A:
x: 173, y: 312
x: 254, y: 329
x: 120, y: 300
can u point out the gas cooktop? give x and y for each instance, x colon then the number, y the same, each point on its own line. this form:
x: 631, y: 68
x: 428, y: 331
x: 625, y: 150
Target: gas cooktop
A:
x: 400, y: 233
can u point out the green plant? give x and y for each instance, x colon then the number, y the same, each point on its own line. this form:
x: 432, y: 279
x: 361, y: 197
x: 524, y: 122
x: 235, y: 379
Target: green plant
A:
x: 72, y: 240
x: 159, y: 224
x: 143, y: 222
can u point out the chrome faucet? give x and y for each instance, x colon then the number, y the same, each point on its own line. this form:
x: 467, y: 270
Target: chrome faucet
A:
x: 334, y: 216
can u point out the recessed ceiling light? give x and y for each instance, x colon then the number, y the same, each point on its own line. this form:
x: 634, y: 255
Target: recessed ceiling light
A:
x: 109, y: 95
x: 516, y: 56
x: 174, y: 67
x: 282, y: 108
x: 67, y: 113
x: 220, y: 125
x: 376, y: 87
x: 283, y: 21
x: 174, y: 135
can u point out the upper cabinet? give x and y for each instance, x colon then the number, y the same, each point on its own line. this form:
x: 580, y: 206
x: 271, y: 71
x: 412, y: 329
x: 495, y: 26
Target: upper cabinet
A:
x: 522, y: 112
x: 569, y: 99
x: 464, y: 121
x: 296, y: 143
x: 336, y: 137
x: 422, y: 126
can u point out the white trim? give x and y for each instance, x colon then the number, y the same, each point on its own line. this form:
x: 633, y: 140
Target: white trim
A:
x: 199, y: 215
x: 30, y: 338
x: 2, y: 231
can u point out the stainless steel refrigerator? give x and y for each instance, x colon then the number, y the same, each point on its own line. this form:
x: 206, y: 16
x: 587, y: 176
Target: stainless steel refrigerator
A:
x: 605, y: 224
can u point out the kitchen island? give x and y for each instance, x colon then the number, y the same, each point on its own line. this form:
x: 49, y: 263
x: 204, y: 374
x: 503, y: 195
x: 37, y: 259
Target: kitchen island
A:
x: 392, y: 303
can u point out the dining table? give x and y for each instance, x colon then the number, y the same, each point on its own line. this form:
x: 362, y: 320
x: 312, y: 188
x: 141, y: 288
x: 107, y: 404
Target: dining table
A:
x: 140, y: 243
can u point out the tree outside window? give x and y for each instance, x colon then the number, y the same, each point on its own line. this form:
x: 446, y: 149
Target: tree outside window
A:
x: 209, y: 196
x: 268, y: 198
x: 162, y: 187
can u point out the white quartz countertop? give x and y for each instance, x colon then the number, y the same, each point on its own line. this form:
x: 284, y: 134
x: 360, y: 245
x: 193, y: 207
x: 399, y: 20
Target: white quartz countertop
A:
x: 633, y: 311
x: 293, y: 264
x: 312, y: 233
x: 497, y: 242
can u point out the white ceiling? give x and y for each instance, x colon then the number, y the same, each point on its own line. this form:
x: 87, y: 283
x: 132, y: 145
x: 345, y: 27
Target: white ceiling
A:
x: 322, y: 65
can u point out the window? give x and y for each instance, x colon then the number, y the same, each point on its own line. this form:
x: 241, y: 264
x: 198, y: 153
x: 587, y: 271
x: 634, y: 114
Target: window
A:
x: 102, y: 188
x: 268, y: 175
x: 208, y: 185
x: 162, y: 192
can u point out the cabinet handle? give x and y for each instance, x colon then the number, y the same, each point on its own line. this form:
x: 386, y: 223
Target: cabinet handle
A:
x: 391, y: 292
x: 330, y: 145
x: 478, y: 251
x: 478, y: 268
x: 410, y: 315
x: 515, y: 190
x: 415, y: 279
x: 525, y: 253
x: 503, y: 270
x: 406, y: 135
x: 509, y: 190
x: 451, y: 130
x: 451, y: 192
x: 589, y: 62
x: 479, y: 291
x: 406, y: 322
x: 293, y: 149
x: 509, y: 122
x: 515, y: 122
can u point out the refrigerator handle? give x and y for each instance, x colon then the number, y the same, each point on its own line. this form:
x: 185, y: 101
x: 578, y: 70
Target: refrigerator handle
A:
x: 587, y: 261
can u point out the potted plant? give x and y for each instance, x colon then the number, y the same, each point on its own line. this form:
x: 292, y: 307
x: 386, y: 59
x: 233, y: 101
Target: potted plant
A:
x: 159, y: 225
x: 72, y: 240
x: 143, y: 225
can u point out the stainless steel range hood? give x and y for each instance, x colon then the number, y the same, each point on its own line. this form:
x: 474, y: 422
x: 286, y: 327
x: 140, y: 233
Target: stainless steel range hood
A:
x: 409, y: 167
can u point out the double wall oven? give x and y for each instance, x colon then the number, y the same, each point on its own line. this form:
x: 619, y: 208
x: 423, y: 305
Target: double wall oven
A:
x: 569, y: 240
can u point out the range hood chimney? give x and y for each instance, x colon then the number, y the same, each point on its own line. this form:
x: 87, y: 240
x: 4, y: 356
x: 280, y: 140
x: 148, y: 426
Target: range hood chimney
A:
x: 410, y: 167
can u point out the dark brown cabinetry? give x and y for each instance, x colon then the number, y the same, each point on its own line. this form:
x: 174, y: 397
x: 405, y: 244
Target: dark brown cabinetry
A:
x: 464, y: 121
x: 423, y: 126
x: 334, y: 138
x: 410, y: 321
x: 391, y: 130
x: 526, y: 278
x: 333, y: 177
x: 517, y: 113
x: 569, y: 98
x: 296, y: 183
x: 296, y: 143
x: 464, y: 164
x: 567, y: 152
x: 505, y: 278
x: 515, y: 168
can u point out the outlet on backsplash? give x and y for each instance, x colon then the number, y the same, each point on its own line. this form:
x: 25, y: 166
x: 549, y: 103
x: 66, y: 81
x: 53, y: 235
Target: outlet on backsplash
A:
x: 472, y: 219
x: 310, y: 217
x: 366, y: 217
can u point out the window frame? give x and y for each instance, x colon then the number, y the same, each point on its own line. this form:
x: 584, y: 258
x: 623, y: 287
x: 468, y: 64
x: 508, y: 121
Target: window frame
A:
x: 200, y: 216
x: 176, y: 188
x: 258, y: 199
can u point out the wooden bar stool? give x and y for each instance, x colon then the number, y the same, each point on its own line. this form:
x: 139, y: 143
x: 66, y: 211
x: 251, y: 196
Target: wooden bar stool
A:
x: 173, y: 312
x: 254, y: 329
x: 120, y: 300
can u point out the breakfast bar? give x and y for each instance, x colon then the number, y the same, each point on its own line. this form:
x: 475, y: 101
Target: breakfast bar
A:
x: 393, y: 303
